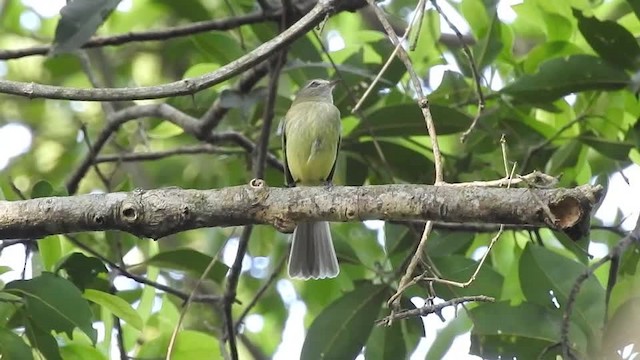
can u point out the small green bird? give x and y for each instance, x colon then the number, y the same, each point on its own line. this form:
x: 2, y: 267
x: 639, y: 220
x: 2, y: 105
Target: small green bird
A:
x: 310, y: 143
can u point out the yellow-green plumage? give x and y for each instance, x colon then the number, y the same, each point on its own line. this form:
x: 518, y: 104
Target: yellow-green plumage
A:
x: 312, y: 129
x: 310, y: 141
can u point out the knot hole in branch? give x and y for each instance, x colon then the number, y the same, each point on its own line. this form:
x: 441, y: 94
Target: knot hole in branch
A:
x: 129, y: 213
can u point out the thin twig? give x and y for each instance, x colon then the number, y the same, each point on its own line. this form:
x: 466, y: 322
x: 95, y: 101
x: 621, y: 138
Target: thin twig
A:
x: 261, y: 291
x: 230, y: 292
x: 417, y: 14
x: 432, y: 308
x: 155, y: 35
x: 258, y: 171
x: 423, y: 103
x: 182, y: 87
x: 535, y: 148
x: 187, y: 302
x: 161, y: 154
x: 141, y: 279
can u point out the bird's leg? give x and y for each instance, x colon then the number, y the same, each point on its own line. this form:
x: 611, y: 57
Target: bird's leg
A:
x: 328, y: 184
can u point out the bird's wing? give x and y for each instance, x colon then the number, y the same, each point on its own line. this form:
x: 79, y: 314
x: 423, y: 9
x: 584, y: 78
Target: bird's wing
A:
x: 288, y: 178
x: 333, y: 168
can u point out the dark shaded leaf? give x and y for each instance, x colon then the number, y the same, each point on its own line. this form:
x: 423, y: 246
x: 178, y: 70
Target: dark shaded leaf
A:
x: 610, y: 40
x: 54, y: 303
x: 486, y: 51
x: 189, y: 260
x: 41, y: 189
x: 386, y: 342
x: 453, y: 89
x: 546, y: 276
x: 82, y: 269
x: 412, y: 328
x: 562, y: 76
x: 341, y: 330
x: 78, y: 22
x: 399, y: 161
x: 43, y: 341
x: 523, y: 331
x: 616, y: 150
x: 407, y: 119
x: 12, y: 347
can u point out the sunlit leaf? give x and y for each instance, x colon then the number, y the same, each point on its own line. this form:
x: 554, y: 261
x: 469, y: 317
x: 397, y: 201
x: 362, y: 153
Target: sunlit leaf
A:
x: 116, y: 305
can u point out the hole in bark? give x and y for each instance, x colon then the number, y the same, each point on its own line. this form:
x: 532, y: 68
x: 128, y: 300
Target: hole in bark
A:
x: 567, y: 212
x: 129, y: 212
x: 98, y: 219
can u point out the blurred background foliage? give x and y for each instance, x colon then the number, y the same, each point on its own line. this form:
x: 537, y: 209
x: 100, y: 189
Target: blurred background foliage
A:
x: 560, y: 80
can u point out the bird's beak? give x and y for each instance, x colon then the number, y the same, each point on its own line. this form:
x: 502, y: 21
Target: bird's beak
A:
x: 333, y: 83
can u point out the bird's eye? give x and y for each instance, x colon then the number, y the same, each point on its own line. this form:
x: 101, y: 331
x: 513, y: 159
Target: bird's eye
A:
x: 314, y: 84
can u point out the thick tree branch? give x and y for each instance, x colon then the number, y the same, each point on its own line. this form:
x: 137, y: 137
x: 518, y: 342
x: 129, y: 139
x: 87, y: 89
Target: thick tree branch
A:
x: 161, y: 212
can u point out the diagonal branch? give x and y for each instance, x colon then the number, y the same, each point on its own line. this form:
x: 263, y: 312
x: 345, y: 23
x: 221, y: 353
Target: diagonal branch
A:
x: 182, y: 87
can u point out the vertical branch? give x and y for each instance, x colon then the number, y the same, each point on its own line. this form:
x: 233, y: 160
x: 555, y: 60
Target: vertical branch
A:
x: 423, y: 103
x: 260, y: 158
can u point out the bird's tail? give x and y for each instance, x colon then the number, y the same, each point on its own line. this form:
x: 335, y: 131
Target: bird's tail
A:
x: 312, y: 254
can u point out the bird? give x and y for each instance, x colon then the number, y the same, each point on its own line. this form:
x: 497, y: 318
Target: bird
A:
x: 311, y: 142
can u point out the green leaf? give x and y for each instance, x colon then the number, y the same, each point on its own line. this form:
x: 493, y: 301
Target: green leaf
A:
x: 459, y: 268
x: 341, y: 329
x: 610, y: 40
x: 546, y: 51
x: 615, y: 150
x: 542, y: 271
x: 523, y: 331
x: 189, y: 260
x: 82, y: 269
x: 116, y: 305
x: 562, y: 76
x: 489, y: 46
x: 54, y: 303
x: 445, y: 243
x: 396, y: 157
x: 386, y: 342
x: 50, y: 251
x: 445, y: 336
x: 412, y: 328
x: 43, y: 341
x: 407, y: 119
x: 165, y: 130
x: 12, y: 347
x: 219, y: 46
x: 189, y: 345
x: 41, y: 189
x: 635, y: 5
x: 78, y: 22
x: 452, y: 89
x: 618, y: 332
x: 81, y: 352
